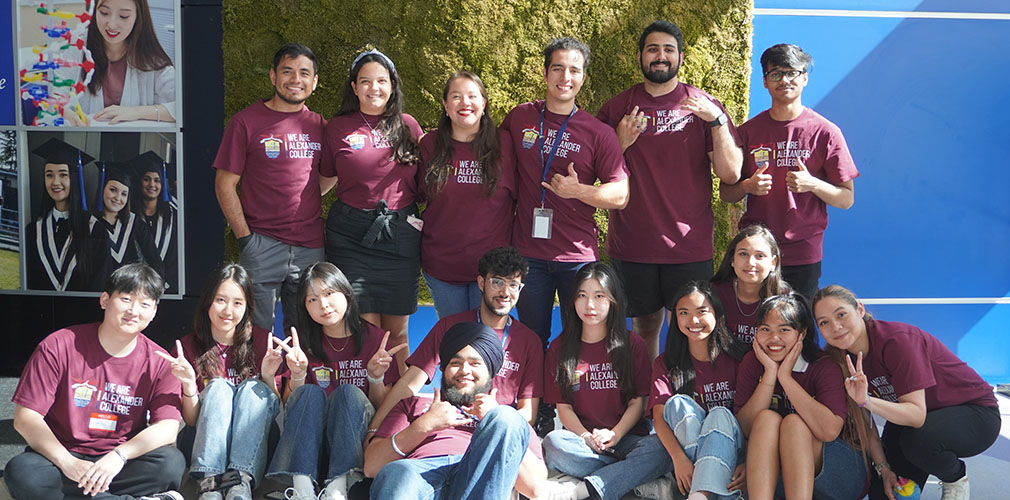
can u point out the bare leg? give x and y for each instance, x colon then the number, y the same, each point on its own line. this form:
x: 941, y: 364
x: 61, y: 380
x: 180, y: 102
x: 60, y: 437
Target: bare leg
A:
x: 648, y: 327
x: 396, y: 325
x: 800, y: 453
x: 763, y: 456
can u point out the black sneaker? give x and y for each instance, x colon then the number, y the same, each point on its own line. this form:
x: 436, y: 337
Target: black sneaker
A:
x: 165, y: 495
x: 545, y: 420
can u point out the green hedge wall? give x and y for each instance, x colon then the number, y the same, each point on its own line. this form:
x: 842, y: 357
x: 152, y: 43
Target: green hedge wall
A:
x: 500, y: 40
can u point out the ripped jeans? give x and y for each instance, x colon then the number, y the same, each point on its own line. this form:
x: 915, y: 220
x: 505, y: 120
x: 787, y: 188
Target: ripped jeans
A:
x: 713, y: 441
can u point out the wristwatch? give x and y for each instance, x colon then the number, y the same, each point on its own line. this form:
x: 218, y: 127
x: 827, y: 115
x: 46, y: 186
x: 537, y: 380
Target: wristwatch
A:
x: 880, y: 467
x: 719, y: 120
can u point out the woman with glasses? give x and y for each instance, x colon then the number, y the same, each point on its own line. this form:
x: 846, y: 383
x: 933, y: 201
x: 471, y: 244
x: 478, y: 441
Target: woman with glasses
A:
x: 796, y: 163
x: 467, y: 176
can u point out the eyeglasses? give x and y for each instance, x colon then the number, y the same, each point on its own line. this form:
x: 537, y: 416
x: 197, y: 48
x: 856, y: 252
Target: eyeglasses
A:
x: 776, y: 76
x: 498, y: 283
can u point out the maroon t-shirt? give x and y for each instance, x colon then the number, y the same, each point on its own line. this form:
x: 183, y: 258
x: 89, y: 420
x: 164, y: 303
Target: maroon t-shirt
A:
x: 904, y: 359
x: 462, y: 209
x: 360, y: 157
x: 520, y: 376
x: 594, y: 149
x: 224, y: 356
x: 822, y: 379
x: 741, y: 319
x: 92, y: 401
x: 668, y: 219
x: 714, y: 382
x: 113, y: 82
x: 346, y: 367
x: 451, y: 441
x: 597, y: 398
x: 797, y: 220
x: 277, y: 154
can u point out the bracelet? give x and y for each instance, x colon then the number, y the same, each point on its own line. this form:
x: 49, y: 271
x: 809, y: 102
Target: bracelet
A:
x: 761, y: 381
x: 372, y: 431
x: 120, y: 455
x: 868, y: 404
x: 880, y: 467
x: 392, y: 441
x: 377, y: 380
x: 300, y: 379
x: 197, y: 393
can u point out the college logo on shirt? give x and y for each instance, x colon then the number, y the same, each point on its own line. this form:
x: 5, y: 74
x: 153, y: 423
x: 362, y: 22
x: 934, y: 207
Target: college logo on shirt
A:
x: 82, y: 393
x: 580, y: 371
x: 356, y: 141
x: 530, y: 136
x: 323, y: 375
x: 761, y: 155
x: 271, y: 146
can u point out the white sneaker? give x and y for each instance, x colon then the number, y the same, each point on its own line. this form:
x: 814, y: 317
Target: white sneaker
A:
x: 292, y: 494
x: 560, y: 490
x: 335, y: 490
x: 165, y: 495
x: 958, y: 490
x: 660, y: 488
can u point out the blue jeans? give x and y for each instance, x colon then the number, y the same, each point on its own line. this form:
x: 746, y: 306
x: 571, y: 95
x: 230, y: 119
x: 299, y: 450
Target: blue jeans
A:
x: 488, y: 469
x: 842, y: 476
x: 232, y: 428
x: 536, y: 302
x: 342, y: 418
x: 644, y: 459
x: 713, y: 442
x: 450, y: 299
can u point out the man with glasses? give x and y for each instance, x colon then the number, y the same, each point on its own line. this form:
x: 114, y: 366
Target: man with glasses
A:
x: 519, y: 380
x: 796, y: 163
x: 674, y: 136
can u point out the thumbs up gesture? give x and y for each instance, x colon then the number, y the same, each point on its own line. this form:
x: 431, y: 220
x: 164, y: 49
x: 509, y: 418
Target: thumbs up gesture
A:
x: 483, y: 403
x: 800, y: 181
x: 758, y: 184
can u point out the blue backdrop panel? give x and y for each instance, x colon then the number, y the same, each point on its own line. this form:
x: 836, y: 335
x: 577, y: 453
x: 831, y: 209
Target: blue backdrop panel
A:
x: 921, y: 103
x: 8, y: 83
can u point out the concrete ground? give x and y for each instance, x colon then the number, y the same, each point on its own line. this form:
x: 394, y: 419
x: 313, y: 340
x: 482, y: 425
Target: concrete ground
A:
x: 987, y: 472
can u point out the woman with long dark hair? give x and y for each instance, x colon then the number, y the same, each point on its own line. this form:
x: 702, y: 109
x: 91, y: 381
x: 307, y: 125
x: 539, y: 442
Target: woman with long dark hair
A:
x: 598, y: 375
x: 129, y: 239
x: 750, y: 272
x: 338, y: 371
x: 155, y: 206
x: 372, y: 232
x: 134, y: 78
x: 227, y: 367
x: 467, y: 175
x: 790, y: 403
x: 938, y: 409
x: 693, y: 383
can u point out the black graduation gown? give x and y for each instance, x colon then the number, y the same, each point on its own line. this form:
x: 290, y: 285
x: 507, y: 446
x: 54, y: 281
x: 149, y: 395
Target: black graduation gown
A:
x: 53, y: 257
x: 164, y: 232
x: 128, y: 242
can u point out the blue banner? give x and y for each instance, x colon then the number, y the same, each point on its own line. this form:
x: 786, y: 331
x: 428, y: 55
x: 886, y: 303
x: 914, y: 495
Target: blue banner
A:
x: 8, y: 84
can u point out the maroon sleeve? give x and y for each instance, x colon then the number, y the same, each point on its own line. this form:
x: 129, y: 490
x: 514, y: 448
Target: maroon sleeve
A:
x: 40, y: 379
x: 231, y: 155
x: 661, y: 390
x: 640, y: 361
x: 611, y: 112
x: 426, y: 355
x: 746, y: 380
x: 749, y: 167
x: 415, y: 129
x: 508, y: 167
x: 397, y: 419
x: 552, y: 393
x: 165, y: 402
x: 609, y: 158
x: 327, y: 165
x: 906, y: 359
x: 838, y: 164
x: 826, y: 385
x: 531, y: 385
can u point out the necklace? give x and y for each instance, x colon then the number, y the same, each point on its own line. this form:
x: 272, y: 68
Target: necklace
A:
x: 739, y: 307
x: 328, y: 341
x: 375, y: 134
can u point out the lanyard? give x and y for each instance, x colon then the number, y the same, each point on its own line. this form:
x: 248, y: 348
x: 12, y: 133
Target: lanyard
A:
x: 505, y: 336
x: 554, y: 149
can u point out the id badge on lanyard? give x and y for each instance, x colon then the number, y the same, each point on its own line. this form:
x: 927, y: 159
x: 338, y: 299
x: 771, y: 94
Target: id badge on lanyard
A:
x: 543, y: 218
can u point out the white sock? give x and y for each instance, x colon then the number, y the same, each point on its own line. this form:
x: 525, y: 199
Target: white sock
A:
x: 303, y: 485
x: 336, y: 485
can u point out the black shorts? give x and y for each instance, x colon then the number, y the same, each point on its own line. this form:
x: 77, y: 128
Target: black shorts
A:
x: 651, y: 287
x: 803, y: 278
x: 381, y: 258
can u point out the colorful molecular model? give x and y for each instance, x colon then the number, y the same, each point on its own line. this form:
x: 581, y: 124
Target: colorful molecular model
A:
x: 53, y: 84
x: 907, y: 490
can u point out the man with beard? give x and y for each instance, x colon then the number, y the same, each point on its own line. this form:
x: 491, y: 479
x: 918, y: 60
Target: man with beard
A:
x: 273, y: 148
x: 673, y: 136
x: 796, y: 162
x: 461, y: 443
x: 519, y: 381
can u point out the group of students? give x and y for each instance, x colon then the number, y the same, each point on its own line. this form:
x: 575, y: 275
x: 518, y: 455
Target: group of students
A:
x: 743, y: 398
x: 77, y: 241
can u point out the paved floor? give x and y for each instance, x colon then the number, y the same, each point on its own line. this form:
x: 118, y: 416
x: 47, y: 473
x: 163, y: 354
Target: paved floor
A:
x: 987, y: 473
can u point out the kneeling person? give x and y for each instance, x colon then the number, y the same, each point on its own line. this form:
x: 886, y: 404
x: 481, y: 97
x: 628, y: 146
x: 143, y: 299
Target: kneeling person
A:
x: 461, y: 444
x: 83, y: 403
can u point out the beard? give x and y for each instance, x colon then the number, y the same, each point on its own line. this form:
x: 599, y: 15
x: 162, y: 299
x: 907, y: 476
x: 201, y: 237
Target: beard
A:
x: 284, y: 98
x: 461, y: 398
x: 500, y: 312
x: 661, y: 75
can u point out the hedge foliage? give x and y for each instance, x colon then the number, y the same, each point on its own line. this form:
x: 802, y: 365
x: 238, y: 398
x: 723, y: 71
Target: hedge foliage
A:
x: 500, y: 40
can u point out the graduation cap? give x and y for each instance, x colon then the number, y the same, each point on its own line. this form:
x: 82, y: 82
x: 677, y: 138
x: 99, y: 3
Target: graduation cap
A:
x: 151, y: 162
x: 111, y: 171
x: 57, y: 152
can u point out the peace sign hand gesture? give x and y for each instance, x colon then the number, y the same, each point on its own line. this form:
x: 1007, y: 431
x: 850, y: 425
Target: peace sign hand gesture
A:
x: 272, y: 359
x: 380, y: 361
x: 857, y: 384
x: 298, y: 363
x: 181, y: 368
